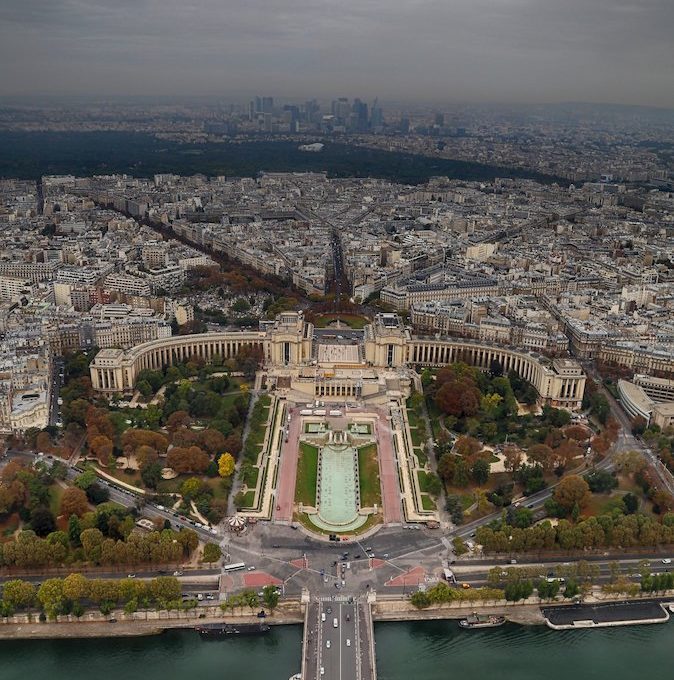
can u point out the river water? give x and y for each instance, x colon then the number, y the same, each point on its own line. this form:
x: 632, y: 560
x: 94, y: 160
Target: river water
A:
x: 405, y: 651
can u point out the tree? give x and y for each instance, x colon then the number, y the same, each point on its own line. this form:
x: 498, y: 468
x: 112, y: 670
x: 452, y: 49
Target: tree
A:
x: 74, y: 530
x: 86, y: 479
x: 420, y: 599
x: 467, y: 446
x: 631, y: 503
x: 459, y: 545
x: 572, y: 589
x: 18, y: 594
x: 42, y: 521
x: 513, y: 457
x: 151, y: 474
x: 570, y: 491
x: 51, y: 597
x: 191, y: 488
x: 74, y: 502
x: 226, y: 465
x: 480, y: 471
x: 541, y: 454
x: 144, y: 387
x: 270, y: 597
x: 75, y: 587
x: 97, y: 494
x: 601, y: 481
x: 212, y: 552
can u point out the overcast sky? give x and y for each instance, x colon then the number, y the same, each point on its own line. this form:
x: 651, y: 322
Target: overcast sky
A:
x: 437, y: 50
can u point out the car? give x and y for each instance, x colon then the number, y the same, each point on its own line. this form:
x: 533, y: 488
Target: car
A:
x: 112, y: 620
x: 130, y: 576
x: 666, y: 560
x: 329, y: 610
x: 348, y: 642
x: 276, y: 545
x: 177, y: 573
x: 327, y: 644
x: 513, y: 561
x: 210, y: 596
x: 385, y: 556
x: 322, y: 616
x: 251, y: 568
x: 200, y: 596
x: 466, y: 586
x: 322, y: 670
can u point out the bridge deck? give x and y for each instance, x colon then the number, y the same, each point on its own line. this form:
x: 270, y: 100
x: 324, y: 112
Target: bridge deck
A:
x: 344, y: 651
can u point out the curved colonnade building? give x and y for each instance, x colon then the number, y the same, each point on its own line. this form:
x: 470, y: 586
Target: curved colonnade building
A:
x: 339, y: 364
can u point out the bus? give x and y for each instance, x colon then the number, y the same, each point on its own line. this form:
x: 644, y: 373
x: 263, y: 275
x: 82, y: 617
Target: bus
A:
x: 235, y: 566
x: 448, y: 575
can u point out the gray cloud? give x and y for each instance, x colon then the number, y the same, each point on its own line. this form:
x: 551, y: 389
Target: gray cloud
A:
x: 488, y: 50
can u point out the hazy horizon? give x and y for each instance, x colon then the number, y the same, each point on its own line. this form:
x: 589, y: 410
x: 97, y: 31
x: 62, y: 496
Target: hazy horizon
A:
x: 473, y: 51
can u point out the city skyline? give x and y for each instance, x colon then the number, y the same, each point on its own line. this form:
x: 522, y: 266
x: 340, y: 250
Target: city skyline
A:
x: 517, y: 51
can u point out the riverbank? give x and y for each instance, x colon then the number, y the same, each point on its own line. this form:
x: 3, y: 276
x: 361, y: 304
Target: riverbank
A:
x: 618, y: 612
x: 525, y: 615
x: 105, y: 629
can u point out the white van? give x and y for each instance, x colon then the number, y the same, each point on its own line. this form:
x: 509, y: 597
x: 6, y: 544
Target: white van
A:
x: 335, y: 623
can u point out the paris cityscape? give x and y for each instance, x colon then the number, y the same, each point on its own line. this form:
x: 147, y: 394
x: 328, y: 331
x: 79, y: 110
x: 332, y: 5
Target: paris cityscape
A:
x: 309, y: 369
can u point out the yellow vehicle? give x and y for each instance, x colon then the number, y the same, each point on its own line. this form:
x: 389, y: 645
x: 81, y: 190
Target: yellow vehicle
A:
x: 466, y: 586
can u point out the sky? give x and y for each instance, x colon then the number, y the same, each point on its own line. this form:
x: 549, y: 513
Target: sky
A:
x: 617, y: 51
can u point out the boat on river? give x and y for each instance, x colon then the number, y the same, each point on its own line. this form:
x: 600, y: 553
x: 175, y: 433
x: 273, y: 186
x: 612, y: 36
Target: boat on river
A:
x: 482, y: 621
x: 221, y: 630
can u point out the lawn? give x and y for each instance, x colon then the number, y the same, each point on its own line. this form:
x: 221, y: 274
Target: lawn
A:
x: 55, y: 495
x: 351, y: 320
x: 417, y: 436
x: 421, y: 455
x: 249, y: 475
x: 425, y: 481
x: 307, y: 474
x: 247, y: 499
x: 368, y: 468
x: 427, y: 502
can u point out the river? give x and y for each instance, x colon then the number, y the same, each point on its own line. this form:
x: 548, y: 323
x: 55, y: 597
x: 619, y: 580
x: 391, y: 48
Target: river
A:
x: 405, y: 651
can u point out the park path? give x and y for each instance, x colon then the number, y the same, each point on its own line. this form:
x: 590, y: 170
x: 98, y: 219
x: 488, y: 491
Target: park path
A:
x: 388, y: 471
x: 285, y: 486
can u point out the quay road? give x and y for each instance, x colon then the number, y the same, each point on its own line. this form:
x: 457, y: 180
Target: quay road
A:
x: 338, y: 640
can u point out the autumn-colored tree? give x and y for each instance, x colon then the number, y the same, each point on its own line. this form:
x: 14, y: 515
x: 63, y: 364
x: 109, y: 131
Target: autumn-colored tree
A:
x: 541, y: 454
x: 187, y: 460
x: 146, y: 455
x: 212, y: 441
x: 101, y: 446
x: 572, y: 490
x: 133, y: 438
x: 513, y: 457
x: 97, y: 422
x: 74, y: 502
x: 467, y: 446
x: 233, y: 444
x: 43, y: 442
x: 226, y: 465
x: 177, y: 420
x: 578, y: 432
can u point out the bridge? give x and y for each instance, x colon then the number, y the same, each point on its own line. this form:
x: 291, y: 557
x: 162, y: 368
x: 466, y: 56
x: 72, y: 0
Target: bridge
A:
x: 338, y: 640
